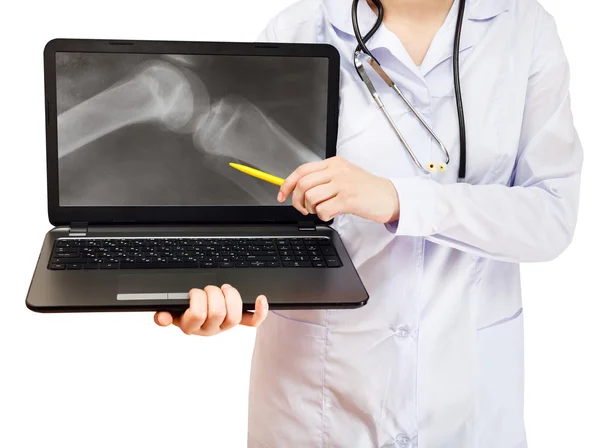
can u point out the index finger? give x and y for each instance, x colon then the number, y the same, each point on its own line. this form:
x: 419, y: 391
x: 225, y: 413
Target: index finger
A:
x: 292, y: 180
x: 195, y: 316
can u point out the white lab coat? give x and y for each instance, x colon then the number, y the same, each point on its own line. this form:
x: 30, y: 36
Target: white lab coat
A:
x: 435, y: 359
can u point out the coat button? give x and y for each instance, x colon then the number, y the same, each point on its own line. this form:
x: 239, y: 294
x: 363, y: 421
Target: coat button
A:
x: 403, y: 333
x: 403, y: 441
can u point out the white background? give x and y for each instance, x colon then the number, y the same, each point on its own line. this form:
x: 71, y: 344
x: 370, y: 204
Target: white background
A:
x: 120, y: 381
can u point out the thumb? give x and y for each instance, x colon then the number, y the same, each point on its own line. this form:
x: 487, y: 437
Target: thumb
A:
x: 261, y: 309
x: 163, y: 319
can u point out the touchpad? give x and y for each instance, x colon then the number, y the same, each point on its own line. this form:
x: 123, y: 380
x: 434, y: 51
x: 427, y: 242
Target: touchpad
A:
x: 161, y: 285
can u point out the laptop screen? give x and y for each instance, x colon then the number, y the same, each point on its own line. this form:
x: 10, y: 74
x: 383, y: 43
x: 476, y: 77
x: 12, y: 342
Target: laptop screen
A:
x: 161, y: 130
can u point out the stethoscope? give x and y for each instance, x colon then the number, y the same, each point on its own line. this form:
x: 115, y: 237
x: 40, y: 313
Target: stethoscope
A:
x: 362, y: 52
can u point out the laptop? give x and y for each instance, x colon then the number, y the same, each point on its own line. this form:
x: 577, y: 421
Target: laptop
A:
x: 144, y: 202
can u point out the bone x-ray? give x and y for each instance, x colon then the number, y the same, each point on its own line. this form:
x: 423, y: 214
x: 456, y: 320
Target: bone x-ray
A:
x: 154, y: 130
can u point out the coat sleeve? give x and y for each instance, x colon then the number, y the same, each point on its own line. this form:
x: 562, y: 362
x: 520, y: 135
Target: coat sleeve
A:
x: 268, y: 33
x: 302, y: 21
x: 533, y: 218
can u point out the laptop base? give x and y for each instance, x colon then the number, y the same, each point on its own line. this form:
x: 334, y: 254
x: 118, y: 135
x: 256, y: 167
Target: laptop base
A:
x: 123, y: 290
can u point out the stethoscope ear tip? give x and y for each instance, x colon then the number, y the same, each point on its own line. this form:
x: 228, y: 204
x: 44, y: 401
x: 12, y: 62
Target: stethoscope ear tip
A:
x: 431, y: 167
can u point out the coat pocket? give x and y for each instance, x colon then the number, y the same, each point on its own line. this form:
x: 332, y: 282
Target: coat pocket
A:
x: 286, y: 383
x: 500, y: 384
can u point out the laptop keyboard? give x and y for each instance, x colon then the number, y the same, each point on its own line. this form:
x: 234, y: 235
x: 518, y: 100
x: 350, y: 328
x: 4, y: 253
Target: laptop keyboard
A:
x: 177, y: 253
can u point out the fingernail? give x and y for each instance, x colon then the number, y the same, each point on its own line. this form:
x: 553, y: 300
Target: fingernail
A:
x: 263, y: 302
x: 226, y: 285
x: 280, y: 197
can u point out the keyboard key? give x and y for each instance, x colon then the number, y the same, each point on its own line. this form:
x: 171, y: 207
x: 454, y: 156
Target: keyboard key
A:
x: 90, y: 266
x: 273, y: 264
x: 257, y: 264
x: 332, y: 262
x: 57, y: 266
x: 64, y: 250
x: 182, y: 265
x: 296, y: 264
x: 328, y: 251
x: 74, y: 266
x: 207, y: 265
x: 67, y: 255
x: 63, y: 260
x: 319, y: 264
x: 257, y: 258
x: 176, y: 264
x: 324, y: 242
x: 109, y: 266
x: 129, y: 265
x: 226, y: 265
x: 242, y: 264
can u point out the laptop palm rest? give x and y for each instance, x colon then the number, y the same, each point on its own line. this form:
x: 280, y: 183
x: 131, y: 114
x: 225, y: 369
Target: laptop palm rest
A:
x: 161, y: 286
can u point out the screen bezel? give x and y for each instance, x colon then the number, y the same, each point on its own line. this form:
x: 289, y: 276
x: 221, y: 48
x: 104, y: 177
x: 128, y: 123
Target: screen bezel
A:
x: 64, y: 215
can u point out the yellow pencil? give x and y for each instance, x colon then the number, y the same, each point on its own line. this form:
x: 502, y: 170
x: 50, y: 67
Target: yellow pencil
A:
x: 258, y: 174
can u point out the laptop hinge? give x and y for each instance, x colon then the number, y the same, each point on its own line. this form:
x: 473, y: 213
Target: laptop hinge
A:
x: 78, y: 229
x: 306, y: 225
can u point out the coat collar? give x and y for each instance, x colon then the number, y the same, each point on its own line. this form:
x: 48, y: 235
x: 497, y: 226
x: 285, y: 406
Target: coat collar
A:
x: 339, y: 15
x: 338, y: 12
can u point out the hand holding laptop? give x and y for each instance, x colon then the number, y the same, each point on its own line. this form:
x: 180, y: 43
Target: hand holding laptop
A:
x: 214, y: 310
x: 323, y: 188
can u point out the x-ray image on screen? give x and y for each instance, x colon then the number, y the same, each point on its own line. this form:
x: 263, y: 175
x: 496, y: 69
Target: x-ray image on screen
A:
x: 156, y: 130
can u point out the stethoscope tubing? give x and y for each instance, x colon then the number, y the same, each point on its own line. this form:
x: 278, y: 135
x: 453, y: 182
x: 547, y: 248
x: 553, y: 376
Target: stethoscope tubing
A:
x: 363, y: 52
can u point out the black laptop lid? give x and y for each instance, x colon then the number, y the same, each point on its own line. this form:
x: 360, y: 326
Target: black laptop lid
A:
x: 144, y: 131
